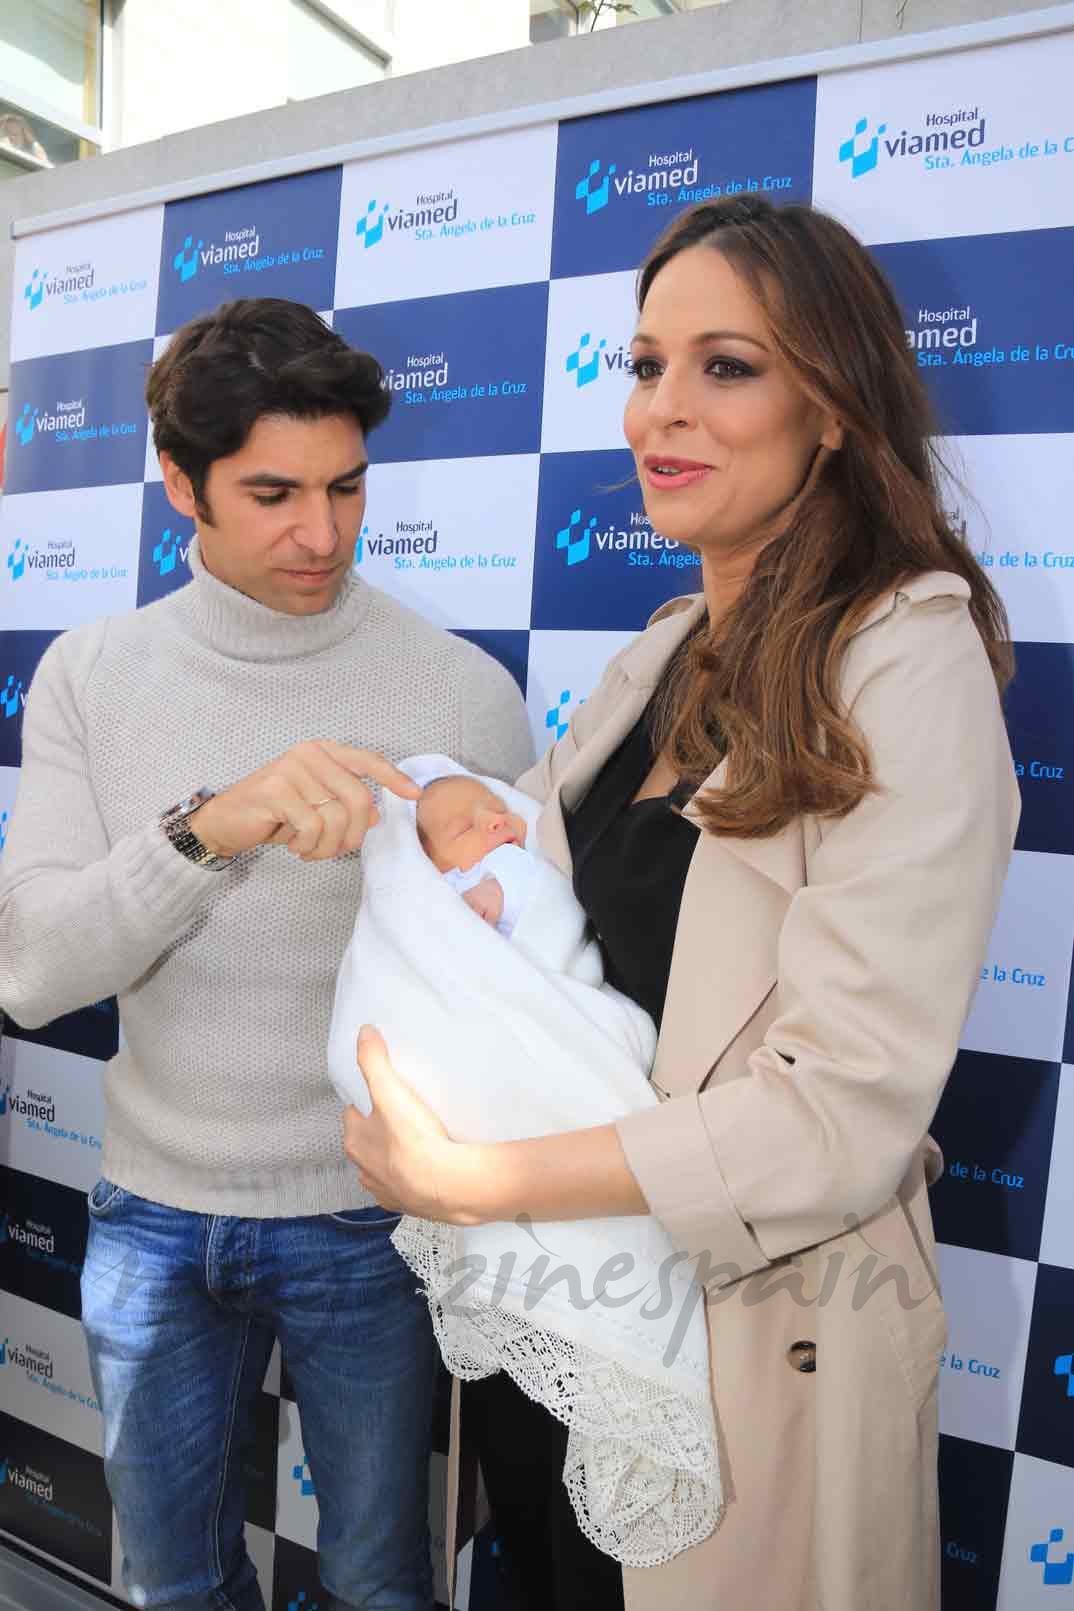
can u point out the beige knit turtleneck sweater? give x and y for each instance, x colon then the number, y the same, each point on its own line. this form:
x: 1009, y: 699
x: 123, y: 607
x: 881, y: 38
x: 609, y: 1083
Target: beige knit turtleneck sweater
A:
x: 219, y: 1099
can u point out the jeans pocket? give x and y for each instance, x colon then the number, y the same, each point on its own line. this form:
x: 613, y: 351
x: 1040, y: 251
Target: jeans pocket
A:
x: 366, y: 1219
x: 104, y: 1197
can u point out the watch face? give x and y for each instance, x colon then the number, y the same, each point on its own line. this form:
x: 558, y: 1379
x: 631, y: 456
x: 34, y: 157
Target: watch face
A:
x: 185, y: 808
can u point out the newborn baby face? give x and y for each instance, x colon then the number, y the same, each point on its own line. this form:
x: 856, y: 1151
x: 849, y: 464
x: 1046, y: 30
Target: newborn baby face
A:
x: 460, y: 821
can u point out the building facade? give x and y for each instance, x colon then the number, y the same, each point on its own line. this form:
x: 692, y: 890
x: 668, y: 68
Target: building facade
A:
x: 78, y: 77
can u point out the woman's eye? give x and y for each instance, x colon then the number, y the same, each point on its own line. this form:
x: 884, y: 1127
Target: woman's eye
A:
x: 728, y: 368
x: 641, y: 368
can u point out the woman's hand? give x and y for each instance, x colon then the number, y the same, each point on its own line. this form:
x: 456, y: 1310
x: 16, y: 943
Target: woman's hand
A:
x: 405, y: 1157
x: 409, y: 1162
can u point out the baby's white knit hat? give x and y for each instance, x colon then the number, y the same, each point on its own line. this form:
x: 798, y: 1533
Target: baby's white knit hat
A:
x: 425, y: 769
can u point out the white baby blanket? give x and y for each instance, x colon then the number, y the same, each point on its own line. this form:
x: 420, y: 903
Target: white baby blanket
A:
x: 599, y: 1320
x: 514, y: 869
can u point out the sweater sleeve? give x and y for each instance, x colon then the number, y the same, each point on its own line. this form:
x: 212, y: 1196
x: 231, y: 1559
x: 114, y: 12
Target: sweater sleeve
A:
x: 494, y: 733
x: 878, y: 959
x: 79, y: 919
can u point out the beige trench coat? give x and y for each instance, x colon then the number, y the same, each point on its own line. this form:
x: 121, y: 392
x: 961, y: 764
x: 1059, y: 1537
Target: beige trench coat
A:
x: 819, y: 984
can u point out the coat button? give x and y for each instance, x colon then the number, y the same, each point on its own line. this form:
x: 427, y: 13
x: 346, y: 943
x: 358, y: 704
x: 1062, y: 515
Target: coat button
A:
x: 802, y: 1356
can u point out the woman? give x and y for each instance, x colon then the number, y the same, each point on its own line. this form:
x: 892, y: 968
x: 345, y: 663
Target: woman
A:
x: 788, y: 809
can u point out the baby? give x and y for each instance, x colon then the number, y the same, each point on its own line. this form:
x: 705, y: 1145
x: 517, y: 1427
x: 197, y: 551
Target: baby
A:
x: 479, y: 845
x: 506, y: 1042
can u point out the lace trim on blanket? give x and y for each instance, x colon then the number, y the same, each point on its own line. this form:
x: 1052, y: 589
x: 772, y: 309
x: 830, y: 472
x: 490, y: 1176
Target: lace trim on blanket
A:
x: 642, y: 1470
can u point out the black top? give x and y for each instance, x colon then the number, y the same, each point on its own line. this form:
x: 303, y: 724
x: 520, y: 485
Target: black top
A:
x: 630, y: 866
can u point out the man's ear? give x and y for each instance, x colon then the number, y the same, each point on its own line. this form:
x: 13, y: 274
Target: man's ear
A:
x: 179, y: 488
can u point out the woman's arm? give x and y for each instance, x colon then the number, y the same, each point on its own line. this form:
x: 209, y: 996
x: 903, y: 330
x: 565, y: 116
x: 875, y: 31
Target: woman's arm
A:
x: 409, y: 1162
x: 878, y: 960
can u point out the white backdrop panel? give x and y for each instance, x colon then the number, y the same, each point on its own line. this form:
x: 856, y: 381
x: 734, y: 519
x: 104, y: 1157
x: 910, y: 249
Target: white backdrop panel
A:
x: 1018, y: 523
x: 1021, y: 1002
x: 45, y: 1374
x: 1041, y: 1501
x: 92, y: 285
x: 989, y: 1300
x: 459, y: 217
x: 453, y: 538
x: 67, y: 556
x: 962, y: 144
x: 54, y: 1120
x: 591, y: 321
x: 1057, y: 1237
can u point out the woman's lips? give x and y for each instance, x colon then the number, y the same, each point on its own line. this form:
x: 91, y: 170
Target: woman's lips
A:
x: 668, y: 474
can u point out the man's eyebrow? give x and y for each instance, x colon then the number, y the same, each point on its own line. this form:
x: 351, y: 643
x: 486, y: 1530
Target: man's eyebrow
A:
x: 352, y: 475
x: 267, y: 478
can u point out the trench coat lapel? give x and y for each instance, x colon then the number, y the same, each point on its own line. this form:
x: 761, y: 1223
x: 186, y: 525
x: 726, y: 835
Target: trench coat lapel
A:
x: 734, y: 903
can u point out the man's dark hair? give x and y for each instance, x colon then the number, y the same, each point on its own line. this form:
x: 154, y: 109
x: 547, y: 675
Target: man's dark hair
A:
x: 224, y: 371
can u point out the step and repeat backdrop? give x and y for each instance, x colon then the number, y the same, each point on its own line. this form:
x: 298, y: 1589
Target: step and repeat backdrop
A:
x: 493, y: 277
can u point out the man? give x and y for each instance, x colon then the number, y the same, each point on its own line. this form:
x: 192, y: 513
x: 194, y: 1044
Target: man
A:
x: 227, y: 1214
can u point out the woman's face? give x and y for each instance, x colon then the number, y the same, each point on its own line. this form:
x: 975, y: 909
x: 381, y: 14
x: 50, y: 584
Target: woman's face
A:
x: 722, y: 434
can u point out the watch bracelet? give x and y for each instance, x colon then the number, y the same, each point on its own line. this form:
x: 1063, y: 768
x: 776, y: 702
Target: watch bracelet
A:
x: 176, y: 824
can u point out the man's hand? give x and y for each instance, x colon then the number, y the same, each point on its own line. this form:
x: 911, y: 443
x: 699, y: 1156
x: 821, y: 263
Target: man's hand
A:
x: 486, y: 899
x: 311, y: 799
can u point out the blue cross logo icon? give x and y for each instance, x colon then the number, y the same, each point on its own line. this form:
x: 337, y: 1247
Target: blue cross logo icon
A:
x: 24, y: 425
x: 368, y: 230
x: 1056, y: 1573
x: 862, y: 159
x: 593, y: 190
x: 575, y: 542
x: 166, y: 553
x: 583, y: 364
x: 16, y: 559
x: 34, y: 290
x: 185, y: 261
x: 553, y: 717
x: 10, y: 697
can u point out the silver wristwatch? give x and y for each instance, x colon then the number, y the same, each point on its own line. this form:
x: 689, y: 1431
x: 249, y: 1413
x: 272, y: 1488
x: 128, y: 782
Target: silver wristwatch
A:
x: 176, y: 824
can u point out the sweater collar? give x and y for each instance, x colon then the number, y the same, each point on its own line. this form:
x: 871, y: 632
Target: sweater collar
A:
x: 242, y: 629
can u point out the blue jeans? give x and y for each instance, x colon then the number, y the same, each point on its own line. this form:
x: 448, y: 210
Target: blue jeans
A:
x: 180, y: 1312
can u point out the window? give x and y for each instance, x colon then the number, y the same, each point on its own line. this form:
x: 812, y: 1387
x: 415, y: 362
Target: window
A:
x: 326, y: 54
x: 548, y: 20
x: 557, y: 19
x: 50, y: 55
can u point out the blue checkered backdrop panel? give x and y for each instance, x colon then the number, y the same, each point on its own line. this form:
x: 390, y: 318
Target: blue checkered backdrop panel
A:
x: 493, y: 277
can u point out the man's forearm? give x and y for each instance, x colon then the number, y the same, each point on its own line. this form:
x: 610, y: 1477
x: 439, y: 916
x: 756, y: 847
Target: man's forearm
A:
x: 68, y: 937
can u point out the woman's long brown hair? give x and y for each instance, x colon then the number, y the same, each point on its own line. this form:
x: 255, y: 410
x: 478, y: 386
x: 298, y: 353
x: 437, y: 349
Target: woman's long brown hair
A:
x: 763, y: 682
